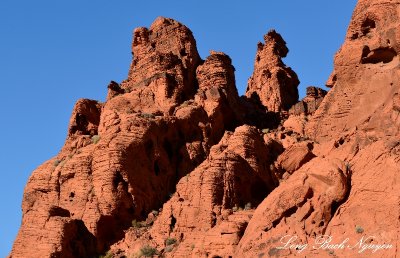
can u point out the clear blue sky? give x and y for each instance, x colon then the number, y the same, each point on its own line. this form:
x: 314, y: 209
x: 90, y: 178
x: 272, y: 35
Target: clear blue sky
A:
x: 55, y: 52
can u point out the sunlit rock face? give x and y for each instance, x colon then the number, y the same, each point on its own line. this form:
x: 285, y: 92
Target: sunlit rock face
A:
x: 175, y: 163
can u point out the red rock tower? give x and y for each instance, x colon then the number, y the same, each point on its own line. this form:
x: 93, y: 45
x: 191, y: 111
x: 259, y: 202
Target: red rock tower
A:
x: 273, y: 83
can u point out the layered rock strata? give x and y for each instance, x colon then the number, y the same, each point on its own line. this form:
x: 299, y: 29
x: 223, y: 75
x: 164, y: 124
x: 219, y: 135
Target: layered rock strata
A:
x: 176, y: 164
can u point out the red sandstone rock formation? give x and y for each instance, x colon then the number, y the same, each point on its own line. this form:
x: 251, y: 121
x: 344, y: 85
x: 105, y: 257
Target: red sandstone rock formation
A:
x: 273, y: 83
x: 302, y: 206
x: 175, y: 163
x: 163, y: 68
x: 310, y: 103
x: 235, y: 174
x: 365, y: 79
x: 122, y: 159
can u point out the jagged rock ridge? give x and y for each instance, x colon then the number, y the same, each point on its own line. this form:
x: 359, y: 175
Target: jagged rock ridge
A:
x: 176, y: 163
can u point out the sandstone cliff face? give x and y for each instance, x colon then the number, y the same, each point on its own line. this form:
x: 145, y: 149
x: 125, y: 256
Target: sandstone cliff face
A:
x: 365, y: 79
x: 176, y: 164
x: 359, y: 119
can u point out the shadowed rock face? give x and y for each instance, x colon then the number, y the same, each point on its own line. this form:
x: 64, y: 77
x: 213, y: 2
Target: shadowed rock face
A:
x: 85, y: 118
x: 236, y: 173
x: 174, y: 160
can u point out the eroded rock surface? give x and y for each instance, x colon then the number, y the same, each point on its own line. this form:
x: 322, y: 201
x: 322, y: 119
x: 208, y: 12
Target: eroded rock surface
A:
x: 163, y: 68
x: 302, y: 206
x: 123, y: 159
x: 310, y: 103
x: 273, y: 83
x: 365, y: 81
x: 176, y: 163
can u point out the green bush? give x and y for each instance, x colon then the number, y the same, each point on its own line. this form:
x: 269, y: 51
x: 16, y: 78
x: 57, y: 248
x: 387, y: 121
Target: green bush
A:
x: 247, y: 206
x: 237, y: 208
x: 265, y: 131
x: 109, y: 254
x: 359, y: 229
x: 170, y: 241
x: 95, y: 139
x: 138, y: 224
x: 56, y: 162
x: 147, y: 115
x: 148, y: 251
x: 187, y: 103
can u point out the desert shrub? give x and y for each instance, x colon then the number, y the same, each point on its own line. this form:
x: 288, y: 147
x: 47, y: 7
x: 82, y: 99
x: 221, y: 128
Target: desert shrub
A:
x: 109, y: 254
x: 247, y: 206
x: 95, y: 139
x: 359, y: 229
x: 170, y: 241
x: 148, y: 251
x: 265, y: 131
x: 138, y: 224
x: 147, y: 115
x: 237, y: 208
x: 56, y: 162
